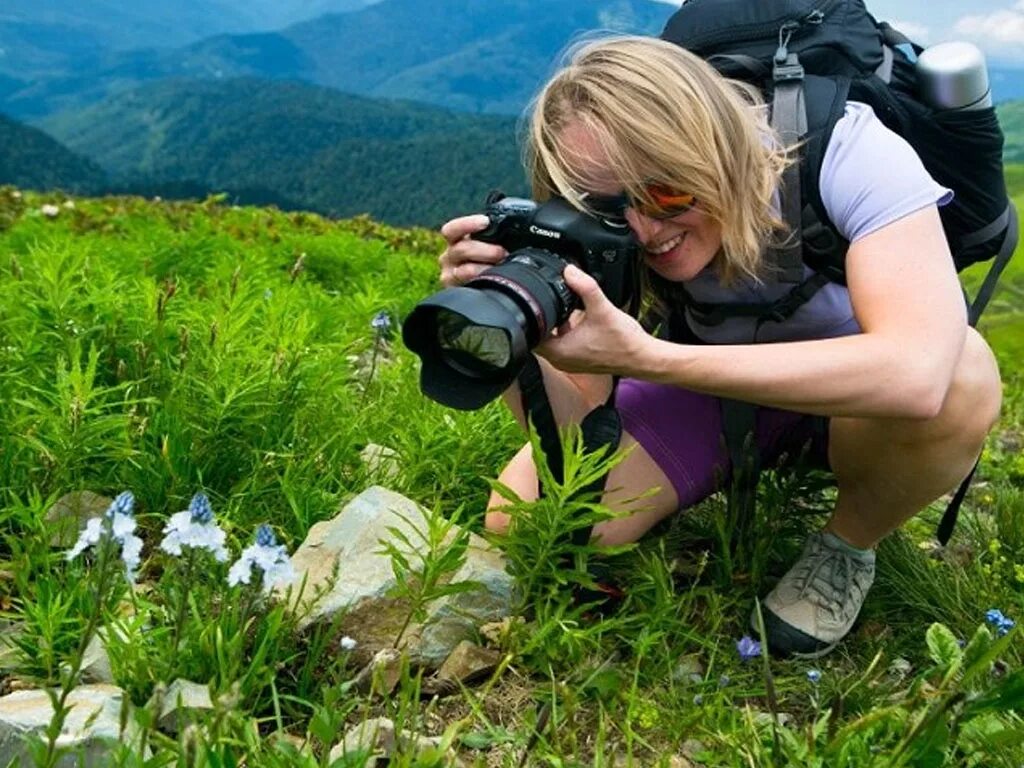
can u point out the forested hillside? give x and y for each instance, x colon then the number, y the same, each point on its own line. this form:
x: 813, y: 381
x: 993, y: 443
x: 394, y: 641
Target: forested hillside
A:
x: 299, y: 145
x: 31, y: 159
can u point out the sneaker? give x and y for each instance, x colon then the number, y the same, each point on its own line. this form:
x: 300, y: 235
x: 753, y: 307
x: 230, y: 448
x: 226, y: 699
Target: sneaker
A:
x: 815, y: 604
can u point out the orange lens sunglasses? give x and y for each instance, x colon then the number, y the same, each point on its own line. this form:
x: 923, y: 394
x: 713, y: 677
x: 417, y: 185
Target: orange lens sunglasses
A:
x: 665, y: 203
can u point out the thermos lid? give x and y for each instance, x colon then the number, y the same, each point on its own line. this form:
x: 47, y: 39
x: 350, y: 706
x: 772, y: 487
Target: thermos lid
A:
x: 953, y: 76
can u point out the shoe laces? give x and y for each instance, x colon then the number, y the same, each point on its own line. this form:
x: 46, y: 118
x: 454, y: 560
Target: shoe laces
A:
x: 832, y: 579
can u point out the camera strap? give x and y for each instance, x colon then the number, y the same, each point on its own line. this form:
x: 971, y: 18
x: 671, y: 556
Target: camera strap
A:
x: 601, y: 427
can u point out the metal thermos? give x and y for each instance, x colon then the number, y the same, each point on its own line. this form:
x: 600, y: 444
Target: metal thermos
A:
x: 953, y: 76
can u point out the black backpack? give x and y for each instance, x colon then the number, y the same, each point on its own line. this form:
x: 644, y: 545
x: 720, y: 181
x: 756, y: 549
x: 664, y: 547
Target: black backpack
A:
x: 809, y: 57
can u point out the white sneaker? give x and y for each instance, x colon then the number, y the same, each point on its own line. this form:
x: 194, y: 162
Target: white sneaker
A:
x: 816, y: 603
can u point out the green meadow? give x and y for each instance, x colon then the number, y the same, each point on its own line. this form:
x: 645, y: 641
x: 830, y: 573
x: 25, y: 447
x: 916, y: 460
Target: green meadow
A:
x: 173, y: 348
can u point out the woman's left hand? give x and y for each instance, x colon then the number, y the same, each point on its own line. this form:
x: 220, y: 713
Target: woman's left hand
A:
x: 600, y: 338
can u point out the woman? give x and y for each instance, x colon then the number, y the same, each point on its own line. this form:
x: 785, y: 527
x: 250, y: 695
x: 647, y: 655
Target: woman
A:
x: 907, y: 390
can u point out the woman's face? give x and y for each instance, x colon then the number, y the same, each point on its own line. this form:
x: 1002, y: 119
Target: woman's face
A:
x: 676, y: 248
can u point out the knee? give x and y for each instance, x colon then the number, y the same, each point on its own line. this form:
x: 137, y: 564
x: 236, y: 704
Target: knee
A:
x: 975, y: 396
x: 520, y: 477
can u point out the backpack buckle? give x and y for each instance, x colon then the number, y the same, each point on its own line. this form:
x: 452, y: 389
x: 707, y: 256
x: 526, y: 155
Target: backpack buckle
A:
x: 788, y: 71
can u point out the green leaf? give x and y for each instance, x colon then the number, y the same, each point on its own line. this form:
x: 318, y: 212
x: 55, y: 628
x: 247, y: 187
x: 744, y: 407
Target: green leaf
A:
x: 943, y: 646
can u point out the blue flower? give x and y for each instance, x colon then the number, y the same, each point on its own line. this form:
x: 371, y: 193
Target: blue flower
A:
x: 202, y: 512
x: 267, y: 555
x: 698, y: 700
x: 194, y: 527
x: 723, y: 681
x: 381, y: 323
x: 748, y: 648
x: 814, y: 675
x: 122, y: 529
x: 1003, y: 624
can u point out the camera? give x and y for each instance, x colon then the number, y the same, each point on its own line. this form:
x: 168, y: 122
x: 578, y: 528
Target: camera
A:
x: 473, y: 340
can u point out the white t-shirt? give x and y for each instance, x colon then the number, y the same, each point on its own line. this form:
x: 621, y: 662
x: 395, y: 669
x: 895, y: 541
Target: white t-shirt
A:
x: 870, y: 177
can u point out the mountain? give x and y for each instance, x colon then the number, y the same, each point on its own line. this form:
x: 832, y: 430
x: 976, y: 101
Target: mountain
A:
x: 67, y: 28
x: 469, y: 55
x: 1011, y: 119
x: 31, y: 159
x: 299, y: 145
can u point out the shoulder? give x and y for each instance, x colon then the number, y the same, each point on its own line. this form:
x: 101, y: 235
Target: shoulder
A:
x: 870, y: 176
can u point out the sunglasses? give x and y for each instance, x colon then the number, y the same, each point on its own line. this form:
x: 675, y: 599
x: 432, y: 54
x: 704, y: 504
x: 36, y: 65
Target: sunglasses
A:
x: 664, y: 203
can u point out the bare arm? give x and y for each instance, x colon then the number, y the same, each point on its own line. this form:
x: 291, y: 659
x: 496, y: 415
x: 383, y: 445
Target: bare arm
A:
x: 905, y: 295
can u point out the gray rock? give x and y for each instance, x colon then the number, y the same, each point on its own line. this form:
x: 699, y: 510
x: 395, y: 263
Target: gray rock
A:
x: 96, y: 663
x: 380, y: 741
x: 181, y: 703
x: 69, y: 514
x: 381, y: 462
x: 349, y: 546
x: 91, y: 731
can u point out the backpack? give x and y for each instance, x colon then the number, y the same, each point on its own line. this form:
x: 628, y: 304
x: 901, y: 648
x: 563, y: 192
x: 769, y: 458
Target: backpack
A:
x: 809, y: 57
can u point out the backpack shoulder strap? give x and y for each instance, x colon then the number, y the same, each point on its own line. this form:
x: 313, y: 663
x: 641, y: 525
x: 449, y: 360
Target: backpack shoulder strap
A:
x: 824, y: 249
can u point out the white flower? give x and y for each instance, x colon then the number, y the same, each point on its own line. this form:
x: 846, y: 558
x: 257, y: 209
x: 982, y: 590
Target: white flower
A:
x: 347, y: 643
x: 194, y: 527
x: 122, y: 529
x: 49, y: 211
x: 89, y: 536
x: 267, y: 555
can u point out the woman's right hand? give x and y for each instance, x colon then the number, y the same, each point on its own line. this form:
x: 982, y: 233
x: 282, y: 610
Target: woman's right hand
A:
x: 465, y: 258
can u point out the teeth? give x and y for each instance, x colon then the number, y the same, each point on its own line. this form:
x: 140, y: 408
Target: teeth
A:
x: 666, y: 246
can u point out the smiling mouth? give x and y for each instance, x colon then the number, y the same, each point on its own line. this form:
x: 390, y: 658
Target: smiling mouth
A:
x: 666, y: 247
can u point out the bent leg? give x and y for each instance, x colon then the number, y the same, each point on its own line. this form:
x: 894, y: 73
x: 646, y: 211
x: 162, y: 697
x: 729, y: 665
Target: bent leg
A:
x: 888, y: 470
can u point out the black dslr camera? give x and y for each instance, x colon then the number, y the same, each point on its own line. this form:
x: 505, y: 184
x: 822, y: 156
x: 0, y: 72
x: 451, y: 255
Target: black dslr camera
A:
x: 474, y: 340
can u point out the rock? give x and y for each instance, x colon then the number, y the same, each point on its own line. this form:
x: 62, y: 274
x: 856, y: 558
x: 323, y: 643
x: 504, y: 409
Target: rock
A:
x: 69, y: 514
x: 380, y: 741
x: 180, y: 704
x: 381, y: 463
x: 350, y: 546
x: 382, y: 674
x: 469, y: 662
x: 96, y: 662
x: 375, y: 738
x: 91, y: 731
x: 689, y: 669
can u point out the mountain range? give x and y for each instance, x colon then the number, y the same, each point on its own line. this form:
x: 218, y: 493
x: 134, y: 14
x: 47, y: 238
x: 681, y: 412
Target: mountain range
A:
x: 401, y: 109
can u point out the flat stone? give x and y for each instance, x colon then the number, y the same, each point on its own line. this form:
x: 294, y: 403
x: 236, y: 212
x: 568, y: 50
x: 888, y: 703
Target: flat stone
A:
x: 180, y: 704
x: 343, y: 562
x: 469, y: 662
x: 91, y: 731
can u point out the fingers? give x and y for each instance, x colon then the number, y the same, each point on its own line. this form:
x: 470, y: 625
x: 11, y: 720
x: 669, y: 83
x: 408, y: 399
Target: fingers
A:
x: 584, y: 286
x: 465, y: 258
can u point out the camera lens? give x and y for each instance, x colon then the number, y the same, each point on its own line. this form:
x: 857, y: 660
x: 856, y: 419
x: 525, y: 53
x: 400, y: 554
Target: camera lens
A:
x: 474, y: 340
x: 472, y: 350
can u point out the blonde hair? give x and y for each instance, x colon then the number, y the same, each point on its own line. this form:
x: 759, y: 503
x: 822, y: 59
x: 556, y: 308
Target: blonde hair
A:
x: 661, y: 113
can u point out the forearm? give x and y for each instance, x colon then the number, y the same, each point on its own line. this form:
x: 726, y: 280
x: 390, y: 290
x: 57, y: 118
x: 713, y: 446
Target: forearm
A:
x: 862, y: 375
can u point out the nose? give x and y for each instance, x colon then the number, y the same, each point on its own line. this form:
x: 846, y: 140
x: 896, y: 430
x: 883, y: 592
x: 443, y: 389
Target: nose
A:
x: 644, y: 227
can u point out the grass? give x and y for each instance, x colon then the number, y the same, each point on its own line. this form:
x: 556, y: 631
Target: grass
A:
x: 168, y: 348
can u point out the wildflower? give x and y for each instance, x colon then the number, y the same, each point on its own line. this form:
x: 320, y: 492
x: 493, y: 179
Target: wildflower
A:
x: 347, y: 643
x: 122, y: 529
x: 195, y: 528
x: 748, y: 648
x: 271, y: 558
x: 381, y: 323
x: 49, y: 211
x: 814, y: 675
x: 723, y: 681
x: 698, y: 700
x: 1003, y: 624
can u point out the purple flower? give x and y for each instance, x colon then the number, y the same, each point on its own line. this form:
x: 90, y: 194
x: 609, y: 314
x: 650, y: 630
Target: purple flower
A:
x: 814, y: 675
x: 748, y: 648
